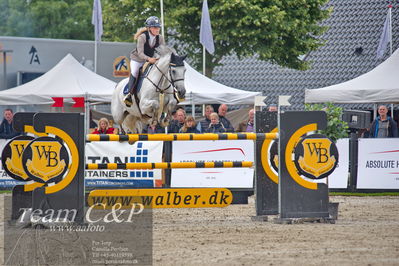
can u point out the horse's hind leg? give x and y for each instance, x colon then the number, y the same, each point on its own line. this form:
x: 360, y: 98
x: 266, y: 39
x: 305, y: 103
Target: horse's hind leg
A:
x: 130, y: 123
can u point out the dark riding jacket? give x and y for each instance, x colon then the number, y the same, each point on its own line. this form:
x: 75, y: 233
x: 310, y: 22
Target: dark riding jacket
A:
x: 7, y: 130
x: 143, y: 50
x: 216, y: 128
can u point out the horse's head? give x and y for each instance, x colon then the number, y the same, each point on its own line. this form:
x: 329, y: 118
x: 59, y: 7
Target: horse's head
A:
x: 177, y: 71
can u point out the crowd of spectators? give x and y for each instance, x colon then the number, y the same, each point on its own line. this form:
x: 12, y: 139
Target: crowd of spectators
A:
x: 382, y: 127
x: 217, y: 122
x: 213, y: 122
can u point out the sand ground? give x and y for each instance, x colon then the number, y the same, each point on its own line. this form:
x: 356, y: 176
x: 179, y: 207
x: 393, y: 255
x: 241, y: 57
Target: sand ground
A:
x: 366, y: 233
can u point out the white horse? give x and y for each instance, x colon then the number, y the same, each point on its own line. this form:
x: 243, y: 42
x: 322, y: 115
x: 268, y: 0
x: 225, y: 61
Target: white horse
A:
x: 161, y: 90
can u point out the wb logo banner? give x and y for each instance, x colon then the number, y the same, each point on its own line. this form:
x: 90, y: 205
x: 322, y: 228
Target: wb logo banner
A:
x: 317, y: 150
x: 11, y: 157
x: 316, y: 156
x: 45, y: 160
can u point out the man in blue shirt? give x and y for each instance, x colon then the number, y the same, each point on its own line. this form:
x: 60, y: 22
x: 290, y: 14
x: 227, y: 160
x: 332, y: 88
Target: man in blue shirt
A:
x: 383, y: 126
x: 6, y: 127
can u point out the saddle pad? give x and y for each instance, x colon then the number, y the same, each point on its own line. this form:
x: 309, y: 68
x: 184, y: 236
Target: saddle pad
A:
x: 147, y: 68
x: 138, y: 86
x: 126, y: 89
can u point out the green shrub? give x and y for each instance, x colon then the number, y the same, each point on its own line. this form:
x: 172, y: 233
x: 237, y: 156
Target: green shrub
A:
x: 336, y: 128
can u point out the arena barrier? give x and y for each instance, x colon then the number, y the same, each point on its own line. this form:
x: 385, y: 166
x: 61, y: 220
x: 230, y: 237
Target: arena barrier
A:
x: 52, y: 165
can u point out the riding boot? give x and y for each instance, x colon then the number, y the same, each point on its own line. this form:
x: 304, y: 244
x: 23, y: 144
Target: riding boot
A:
x: 128, y: 99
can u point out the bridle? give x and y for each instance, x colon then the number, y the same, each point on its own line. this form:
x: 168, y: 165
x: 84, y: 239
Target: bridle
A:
x: 165, y: 77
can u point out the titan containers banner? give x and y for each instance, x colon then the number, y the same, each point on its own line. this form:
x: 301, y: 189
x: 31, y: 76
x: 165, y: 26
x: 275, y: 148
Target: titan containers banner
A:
x: 378, y: 164
x: 116, y: 152
x: 209, y: 151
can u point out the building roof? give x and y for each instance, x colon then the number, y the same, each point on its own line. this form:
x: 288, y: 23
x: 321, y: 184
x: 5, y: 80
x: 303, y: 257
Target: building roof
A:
x: 352, y: 25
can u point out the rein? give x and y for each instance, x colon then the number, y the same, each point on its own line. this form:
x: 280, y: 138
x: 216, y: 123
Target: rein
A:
x: 171, y: 82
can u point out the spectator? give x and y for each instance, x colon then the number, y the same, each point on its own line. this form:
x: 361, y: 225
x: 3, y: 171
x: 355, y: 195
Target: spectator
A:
x: 204, y: 124
x: 174, y: 115
x: 248, y: 125
x: 215, y: 126
x: 272, y: 108
x: 189, y: 126
x: 153, y: 128
x: 92, y: 123
x: 104, y: 127
x: 181, y: 108
x: 6, y: 127
x: 175, y: 125
x: 222, y: 118
x: 383, y: 126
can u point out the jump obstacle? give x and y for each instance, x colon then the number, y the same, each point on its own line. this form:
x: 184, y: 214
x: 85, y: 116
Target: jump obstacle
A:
x: 292, y: 192
x: 181, y: 137
x: 114, y: 166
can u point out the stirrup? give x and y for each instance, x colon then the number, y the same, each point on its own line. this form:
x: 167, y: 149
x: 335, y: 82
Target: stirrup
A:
x: 128, y: 100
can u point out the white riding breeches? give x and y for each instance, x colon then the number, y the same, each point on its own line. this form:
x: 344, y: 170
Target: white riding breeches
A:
x: 134, y: 67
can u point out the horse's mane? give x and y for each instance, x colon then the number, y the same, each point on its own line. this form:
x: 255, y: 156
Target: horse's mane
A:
x: 163, y: 50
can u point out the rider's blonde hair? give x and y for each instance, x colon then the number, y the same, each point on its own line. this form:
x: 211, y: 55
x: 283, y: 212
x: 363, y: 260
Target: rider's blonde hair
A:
x: 139, y: 32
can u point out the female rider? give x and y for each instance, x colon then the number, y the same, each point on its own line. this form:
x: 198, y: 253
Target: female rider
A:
x: 148, y: 38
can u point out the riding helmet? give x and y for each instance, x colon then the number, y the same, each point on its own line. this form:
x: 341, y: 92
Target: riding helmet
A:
x: 153, y: 21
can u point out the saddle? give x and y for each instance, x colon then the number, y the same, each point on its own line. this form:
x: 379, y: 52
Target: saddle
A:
x: 143, y: 72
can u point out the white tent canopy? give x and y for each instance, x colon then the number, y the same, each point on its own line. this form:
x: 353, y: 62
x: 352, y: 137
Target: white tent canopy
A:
x: 71, y: 79
x: 377, y: 86
x: 67, y: 79
x: 202, y: 90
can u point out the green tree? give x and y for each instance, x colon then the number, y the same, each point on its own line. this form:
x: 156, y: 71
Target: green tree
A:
x: 15, y: 18
x: 336, y: 128
x: 67, y: 19
x: 273, y: 30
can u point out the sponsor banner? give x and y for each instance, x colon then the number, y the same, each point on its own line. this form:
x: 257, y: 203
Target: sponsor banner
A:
x: 209, y: 151
x: 121, y: 67
x: 112, y: 152
x: 5, y: 180
x: 378, y: 165
x: 121, y: 183
x: 117, y: 152
x: 160, y: 198
x: 339, y: 178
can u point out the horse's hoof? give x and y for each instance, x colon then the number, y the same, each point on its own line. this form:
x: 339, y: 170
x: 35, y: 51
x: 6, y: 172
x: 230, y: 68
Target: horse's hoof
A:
x: 131, y: 142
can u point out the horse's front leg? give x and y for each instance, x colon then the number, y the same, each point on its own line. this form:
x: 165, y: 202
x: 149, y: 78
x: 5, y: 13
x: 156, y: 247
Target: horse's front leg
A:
x: 167, y: 111
x: 149, y: 107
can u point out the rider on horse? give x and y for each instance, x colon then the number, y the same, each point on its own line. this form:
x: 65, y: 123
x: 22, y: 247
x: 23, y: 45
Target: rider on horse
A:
x: 148, y: 38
